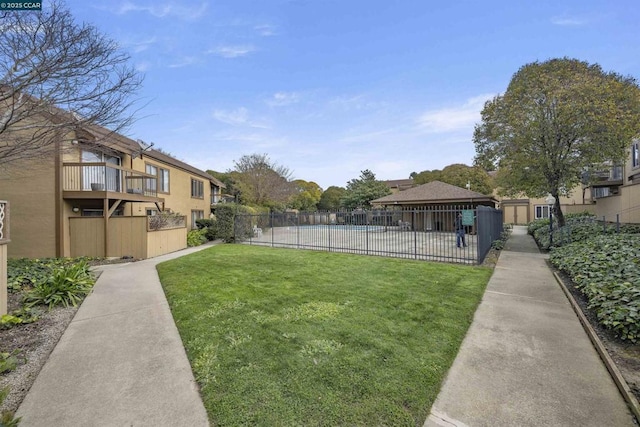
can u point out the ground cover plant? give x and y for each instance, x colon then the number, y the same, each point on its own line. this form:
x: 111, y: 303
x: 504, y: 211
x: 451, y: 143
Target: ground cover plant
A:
x: 606, y: 269
x: 282, y: 337
x: 40, y: 292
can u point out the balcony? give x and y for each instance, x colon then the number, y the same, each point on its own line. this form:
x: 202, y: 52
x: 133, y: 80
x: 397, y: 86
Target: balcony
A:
x: 108, y: 181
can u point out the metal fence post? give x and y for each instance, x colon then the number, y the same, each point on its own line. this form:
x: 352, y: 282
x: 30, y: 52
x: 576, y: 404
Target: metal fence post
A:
x: 415, y: 236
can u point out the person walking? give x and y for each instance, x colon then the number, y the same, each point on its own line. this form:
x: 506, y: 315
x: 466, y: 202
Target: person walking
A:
x: 460, y: 231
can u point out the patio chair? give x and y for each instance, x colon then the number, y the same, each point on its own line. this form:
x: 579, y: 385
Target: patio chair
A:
x: 257, y: 231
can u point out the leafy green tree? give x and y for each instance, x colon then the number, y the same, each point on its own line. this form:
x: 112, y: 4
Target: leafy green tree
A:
x: 556, y: 119
x: 361, y: 191
x: 460, y: 175
x: 307, y: 195
x: 426, y: 176
x: 330, y: 198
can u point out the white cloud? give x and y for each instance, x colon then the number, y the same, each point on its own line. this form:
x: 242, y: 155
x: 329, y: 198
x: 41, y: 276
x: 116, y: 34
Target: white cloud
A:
x: 237, y: 117
x: 143, y: 66
x: 280, y: 99
x: 184, y: 62
x: 231, y: 51
x: 138, y: 46
x: 168, y: 9
x: 568, y: 21
x: 461, y: 118
x: 265, y: 30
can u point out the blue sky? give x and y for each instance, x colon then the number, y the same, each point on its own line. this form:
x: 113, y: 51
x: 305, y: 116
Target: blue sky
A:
x: 329, y: 88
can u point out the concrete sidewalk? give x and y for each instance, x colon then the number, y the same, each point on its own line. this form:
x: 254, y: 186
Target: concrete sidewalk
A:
x: 526, y: 360
x: 121, y: 361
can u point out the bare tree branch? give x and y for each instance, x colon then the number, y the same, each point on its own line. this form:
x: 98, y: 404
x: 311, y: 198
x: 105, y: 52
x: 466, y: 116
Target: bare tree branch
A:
x: 57, y: 76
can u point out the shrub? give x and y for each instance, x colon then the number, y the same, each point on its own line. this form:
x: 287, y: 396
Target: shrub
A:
x: 204, y: 223
x: 18, y: 317
x: 24, y: 273
x: 537, y: 224
x: 66, y: 286
x: 504, y: 236
x: 196, y: 237
x: 606, y: 269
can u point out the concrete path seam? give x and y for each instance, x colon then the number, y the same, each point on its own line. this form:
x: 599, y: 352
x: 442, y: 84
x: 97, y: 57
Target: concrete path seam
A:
x: 524, y: 297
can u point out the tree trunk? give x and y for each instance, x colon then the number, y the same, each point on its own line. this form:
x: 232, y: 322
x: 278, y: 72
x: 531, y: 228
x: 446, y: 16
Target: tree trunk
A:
x: 558, y: 211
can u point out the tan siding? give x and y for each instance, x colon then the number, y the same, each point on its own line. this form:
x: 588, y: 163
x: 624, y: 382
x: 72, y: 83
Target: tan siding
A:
x: 516, y: 214
x: 179, y: 198
x: 127, y: 237
x: 87, y: 237
x: 166, y: 241
x: 3, y: 279
x: 30, y: 188
x: 626, y: 204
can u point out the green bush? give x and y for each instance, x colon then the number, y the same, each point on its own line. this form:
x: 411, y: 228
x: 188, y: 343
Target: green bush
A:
x: 537, y: 224
x: 24, y: 273
x: 19, y: 317
x: 66, y: 286
x: 606, y: 269
x: 196, y: 237
x: 204, y: 223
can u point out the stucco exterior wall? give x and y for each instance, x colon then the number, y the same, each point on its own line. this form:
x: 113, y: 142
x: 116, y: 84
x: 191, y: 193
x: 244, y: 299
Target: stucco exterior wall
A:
x: 29, y: 186
x: 626, y: 205
x: 178, y: 199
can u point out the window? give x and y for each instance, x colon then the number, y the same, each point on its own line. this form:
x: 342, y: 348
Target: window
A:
x: 162, y: 175
x: 542, y: 211
x: 152, y: 212
x: 635, y: 154
x: 616, y: 173
x: 163, y: 180
x: 102, y: 177
x: 152, y: 170
x: 197, y: 189
x: 196, y: 215
x: 215, y: 195
x: 599, y: 192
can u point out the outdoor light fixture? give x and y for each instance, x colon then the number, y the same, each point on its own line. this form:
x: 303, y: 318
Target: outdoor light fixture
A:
x: 550, y: 201
x: 76, y: 209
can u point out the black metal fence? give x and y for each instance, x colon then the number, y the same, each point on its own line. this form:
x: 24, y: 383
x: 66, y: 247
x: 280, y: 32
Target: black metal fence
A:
x: 426, y: 233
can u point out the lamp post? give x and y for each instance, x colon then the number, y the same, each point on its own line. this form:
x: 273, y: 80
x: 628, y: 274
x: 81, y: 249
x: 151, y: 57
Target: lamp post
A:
x: 550, y: 201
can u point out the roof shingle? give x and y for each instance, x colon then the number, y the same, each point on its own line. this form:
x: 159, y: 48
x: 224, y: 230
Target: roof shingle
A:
x: 434, y: 191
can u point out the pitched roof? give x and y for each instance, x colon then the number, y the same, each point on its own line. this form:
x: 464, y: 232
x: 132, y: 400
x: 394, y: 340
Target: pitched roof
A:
x: 434, y: 191
x: 400, y: 184
x: 157, y: 155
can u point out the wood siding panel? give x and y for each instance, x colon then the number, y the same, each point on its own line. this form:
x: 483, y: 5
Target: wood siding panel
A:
x: 30, y: 188
x: 165, y: 241
x: 127, y: 237
x: 86, y: 237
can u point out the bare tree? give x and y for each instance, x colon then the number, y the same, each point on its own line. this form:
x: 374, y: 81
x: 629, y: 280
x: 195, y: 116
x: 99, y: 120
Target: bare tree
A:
x: 57, y: 76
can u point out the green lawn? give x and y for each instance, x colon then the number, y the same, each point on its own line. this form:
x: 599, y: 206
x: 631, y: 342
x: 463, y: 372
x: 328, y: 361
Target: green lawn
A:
x: 285, y: 337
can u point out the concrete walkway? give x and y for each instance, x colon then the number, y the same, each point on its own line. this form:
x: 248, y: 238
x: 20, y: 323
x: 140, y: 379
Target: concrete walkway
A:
x: 526, y: 360
x: 121, y: 361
